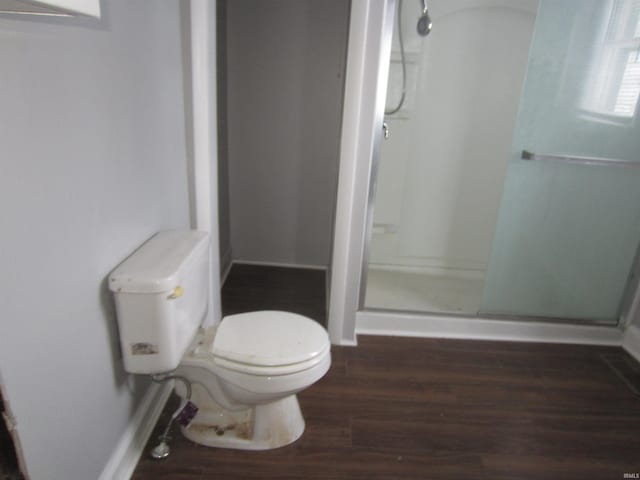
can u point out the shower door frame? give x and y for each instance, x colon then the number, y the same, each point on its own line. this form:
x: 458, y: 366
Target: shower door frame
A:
x: 366, y: 75
x: 367, y: 71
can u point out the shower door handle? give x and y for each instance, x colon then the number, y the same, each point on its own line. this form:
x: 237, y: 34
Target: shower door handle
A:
x: 527, y: 155
x: 385, y: 130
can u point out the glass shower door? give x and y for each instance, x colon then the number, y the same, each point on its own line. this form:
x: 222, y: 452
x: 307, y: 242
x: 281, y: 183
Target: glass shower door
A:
x: 569, y: 221
x: 452, y: 102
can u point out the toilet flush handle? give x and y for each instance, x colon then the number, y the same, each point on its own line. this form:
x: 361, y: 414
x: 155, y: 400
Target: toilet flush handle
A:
x: 177, y: 293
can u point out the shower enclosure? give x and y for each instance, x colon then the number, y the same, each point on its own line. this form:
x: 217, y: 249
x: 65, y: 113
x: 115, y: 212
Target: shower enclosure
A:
x: 509, y: 184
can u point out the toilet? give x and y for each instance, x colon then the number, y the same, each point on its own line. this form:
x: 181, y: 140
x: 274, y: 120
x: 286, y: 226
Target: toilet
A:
x: 243, y: 373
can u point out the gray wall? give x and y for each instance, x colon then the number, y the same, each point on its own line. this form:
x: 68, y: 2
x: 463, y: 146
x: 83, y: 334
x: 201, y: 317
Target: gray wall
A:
x: 224, y: 225
x: 92, y: 129
x: 285, y: 81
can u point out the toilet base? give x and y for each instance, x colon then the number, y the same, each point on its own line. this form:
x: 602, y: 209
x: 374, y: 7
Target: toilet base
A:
x: 263, y: 427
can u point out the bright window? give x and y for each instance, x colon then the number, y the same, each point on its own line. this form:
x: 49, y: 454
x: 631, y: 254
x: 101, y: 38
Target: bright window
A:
x: 615, y: 85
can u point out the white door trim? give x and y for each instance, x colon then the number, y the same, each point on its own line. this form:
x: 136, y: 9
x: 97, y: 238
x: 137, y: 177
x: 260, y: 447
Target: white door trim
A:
x: 365, y: 91
x: 204, y: 179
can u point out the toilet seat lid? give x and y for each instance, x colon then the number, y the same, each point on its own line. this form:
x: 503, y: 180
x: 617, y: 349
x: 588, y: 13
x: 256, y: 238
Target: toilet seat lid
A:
x: 269, y: 338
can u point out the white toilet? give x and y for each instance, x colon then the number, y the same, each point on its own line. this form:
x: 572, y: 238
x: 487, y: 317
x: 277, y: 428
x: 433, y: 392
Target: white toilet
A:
x: 244, y: 372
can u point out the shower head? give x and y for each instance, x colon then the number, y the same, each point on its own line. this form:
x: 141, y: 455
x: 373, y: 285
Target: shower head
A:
x: 424, y: 22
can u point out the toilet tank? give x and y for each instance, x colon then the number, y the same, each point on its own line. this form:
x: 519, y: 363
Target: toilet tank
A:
x: 161, y: 296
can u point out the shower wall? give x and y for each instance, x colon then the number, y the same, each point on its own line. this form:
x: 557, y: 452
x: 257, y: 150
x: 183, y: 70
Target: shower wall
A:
x: 442, y: 169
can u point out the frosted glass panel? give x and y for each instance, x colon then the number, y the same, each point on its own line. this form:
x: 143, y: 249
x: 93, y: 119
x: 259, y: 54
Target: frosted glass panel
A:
x: 567, y: 234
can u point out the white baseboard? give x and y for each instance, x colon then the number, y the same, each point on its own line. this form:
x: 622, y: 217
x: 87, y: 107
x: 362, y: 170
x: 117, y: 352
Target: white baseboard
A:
x: 415, y: 325
x: 346, y: 343
x: 280, y: 264
x: 225, y: 266
x: 327, y: 291
x: 125, y: 456
x: 631, y: 341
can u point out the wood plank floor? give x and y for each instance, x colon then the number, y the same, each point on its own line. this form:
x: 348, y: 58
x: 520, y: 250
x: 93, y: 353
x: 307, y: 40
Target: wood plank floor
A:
x: 250, y: 287
x: 407, y: 408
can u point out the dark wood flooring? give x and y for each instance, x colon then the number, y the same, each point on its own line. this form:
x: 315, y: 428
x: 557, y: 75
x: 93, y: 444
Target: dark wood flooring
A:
x: 250, y: 287
x: 408, y: 408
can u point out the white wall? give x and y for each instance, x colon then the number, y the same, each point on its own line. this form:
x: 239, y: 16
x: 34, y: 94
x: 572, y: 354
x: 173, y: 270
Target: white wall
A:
x: 93, y: 163
x: 285, y: 79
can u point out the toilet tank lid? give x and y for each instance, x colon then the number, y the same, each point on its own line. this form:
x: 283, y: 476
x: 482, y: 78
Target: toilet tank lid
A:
x: 154, y: 267
x: 269, y: 338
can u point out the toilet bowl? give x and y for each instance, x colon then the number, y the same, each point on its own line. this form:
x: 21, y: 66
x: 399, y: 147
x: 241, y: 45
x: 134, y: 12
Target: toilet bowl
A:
x: 246, y: 373
x: 243, y: 373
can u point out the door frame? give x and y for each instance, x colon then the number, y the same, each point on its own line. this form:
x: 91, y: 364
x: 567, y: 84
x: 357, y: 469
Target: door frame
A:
x: 368, y: 52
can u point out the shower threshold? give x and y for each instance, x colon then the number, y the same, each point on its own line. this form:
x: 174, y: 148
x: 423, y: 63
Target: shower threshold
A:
x: 456, y: 293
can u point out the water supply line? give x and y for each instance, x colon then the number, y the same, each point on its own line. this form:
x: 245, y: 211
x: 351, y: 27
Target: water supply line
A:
x: 424, y: 27
x: 162, y: 450
x: 404, y: 68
